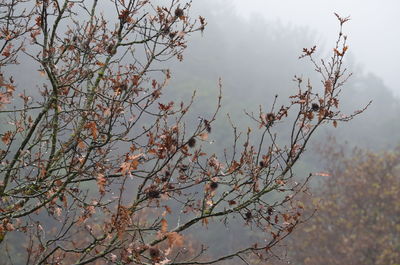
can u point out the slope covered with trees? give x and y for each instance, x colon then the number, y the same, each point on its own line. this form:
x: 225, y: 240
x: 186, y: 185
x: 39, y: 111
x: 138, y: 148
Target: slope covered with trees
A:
x: 358, y: 216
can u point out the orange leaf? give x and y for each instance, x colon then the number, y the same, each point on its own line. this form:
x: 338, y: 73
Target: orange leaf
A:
x: 6, y: 138
x: 164, y: 226
x: 93, y: 129
x: 328, y: 86
x: 203, y: 136
x: 81, y: 144
x: 233, y: 167
x: 134, y: 164
x: 175, y: 239
x: 167, y: 211
x: 101, y: 183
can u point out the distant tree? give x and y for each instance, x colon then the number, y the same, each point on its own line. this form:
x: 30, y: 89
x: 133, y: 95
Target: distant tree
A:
x: 97, y: 168
x: 358, y: 212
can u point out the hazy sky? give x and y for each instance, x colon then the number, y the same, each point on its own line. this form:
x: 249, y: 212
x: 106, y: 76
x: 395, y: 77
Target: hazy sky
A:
x: 373, y: 32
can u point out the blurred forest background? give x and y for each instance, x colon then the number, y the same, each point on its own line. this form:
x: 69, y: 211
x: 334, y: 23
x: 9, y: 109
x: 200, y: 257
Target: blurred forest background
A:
x: 257, y: 59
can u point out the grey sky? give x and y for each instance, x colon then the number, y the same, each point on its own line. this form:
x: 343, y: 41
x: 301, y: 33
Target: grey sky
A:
x: 374, y: 29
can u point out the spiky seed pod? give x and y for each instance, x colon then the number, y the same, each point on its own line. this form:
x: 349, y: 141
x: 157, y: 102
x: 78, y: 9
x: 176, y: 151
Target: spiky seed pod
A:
x: 262, y: 164
x: 315, y: 107
x: 164, y: 179
x: 248, y: 215
x: 153, y: 194
x: 124, y: 86
x: 207, y: 125
x: 165, y: 30
x: 110, y: 49
x: 192, y: 142
x: 270, y: 117
x: 179, y: 12
x: 154, y: 252
x: 166, y: 176
x: 213, y: 185
x: 172, y: 35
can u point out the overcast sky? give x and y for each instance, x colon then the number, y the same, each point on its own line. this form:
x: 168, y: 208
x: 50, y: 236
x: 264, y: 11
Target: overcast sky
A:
x: 373, y: 32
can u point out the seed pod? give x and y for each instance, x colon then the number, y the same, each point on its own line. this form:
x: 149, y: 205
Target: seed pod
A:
x: 172, y: 35
x: 110, y: 49
x: 179, y: 12
x: 213, y: 185
x: 207, y: 125
x: 166, y: 176
x: 315, y: 107
x: 165, y: 30
x: 153, y: 194
x: 192, y: 142
x: 270, y: 117
x: 248, y: 215
x: 154, y: 252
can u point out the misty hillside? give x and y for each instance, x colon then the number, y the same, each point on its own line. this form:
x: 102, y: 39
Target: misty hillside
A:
x: 257, y: 59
